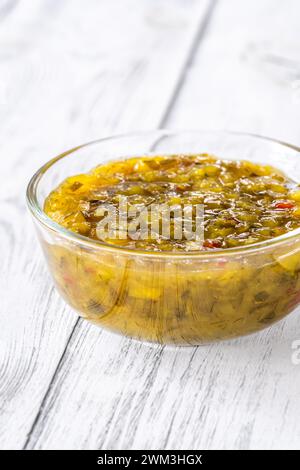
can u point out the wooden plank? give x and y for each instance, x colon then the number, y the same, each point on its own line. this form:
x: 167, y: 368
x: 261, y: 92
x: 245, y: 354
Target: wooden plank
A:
x: 240, y: 394
x: 246, y: 75
x: 67, y: 75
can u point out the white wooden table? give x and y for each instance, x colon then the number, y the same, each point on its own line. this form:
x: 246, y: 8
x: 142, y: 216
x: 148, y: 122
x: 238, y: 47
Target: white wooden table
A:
x: 72, y: 72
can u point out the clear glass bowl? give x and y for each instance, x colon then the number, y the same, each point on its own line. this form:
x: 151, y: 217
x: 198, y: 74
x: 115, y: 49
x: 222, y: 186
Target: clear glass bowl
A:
x: 176, y: 298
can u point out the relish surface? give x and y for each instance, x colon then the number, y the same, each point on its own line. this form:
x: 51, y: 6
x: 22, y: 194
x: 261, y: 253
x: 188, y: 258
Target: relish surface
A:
x: 243, y: 202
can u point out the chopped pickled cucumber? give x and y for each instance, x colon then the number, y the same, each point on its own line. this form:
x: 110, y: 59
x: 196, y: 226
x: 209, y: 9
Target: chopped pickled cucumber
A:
x: 244, y: 202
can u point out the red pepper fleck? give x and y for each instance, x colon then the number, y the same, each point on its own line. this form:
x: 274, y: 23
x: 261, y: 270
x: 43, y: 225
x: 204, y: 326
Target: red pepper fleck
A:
x: 89, y: 270
x: 284, y: 205
x: 212, y: 243
x: 68, y: 279
x: 291, y: 290
x: 294, y: 301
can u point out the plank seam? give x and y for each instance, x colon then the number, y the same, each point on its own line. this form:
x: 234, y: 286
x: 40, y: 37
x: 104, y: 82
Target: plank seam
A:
x: 199, y: 36
x: 46, y: 395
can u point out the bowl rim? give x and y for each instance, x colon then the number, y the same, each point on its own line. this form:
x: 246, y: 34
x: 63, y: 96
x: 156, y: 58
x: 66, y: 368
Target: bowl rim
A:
x: 39, y: 214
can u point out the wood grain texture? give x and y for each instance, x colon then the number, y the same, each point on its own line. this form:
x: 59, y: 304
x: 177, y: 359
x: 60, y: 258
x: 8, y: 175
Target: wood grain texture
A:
x: 112, y: 393
x: 106, y: 391
x: 245, y: 75
x: 69, y: 74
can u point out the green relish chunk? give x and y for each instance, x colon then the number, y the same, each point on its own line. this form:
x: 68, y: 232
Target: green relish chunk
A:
x: 243, y: 202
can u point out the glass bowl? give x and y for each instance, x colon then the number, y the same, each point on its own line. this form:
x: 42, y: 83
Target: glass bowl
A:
x: 165, y: 297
